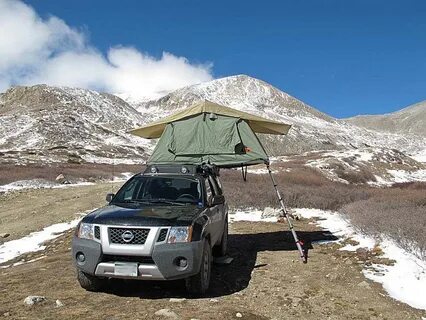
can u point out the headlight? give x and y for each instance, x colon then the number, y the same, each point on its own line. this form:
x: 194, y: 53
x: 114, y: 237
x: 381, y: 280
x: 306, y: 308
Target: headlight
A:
x: 180, y: 234
x: 85, y: 231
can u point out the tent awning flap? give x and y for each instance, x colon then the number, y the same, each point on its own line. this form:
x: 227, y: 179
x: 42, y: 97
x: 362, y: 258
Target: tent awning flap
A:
x: 257, y: 124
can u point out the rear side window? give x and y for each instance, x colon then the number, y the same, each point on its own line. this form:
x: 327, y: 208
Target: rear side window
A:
x: 215, y: 185
x: 209, y: 190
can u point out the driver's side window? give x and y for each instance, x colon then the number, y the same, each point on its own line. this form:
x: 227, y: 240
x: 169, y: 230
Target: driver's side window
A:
x: 129, y: 191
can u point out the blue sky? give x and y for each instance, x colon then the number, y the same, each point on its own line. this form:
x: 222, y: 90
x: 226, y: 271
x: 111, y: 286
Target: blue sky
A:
x: 342, y: 57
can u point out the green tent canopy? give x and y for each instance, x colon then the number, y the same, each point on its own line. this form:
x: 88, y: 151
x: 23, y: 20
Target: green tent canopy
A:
x: 210, y: 133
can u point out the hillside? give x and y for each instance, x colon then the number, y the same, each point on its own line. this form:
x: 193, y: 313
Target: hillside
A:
x: 410, y: 120
x: 42, y: 124
x: 51, y: 124
x: 312, y: 129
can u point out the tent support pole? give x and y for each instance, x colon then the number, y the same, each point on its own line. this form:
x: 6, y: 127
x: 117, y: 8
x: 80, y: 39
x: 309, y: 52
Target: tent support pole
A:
x: 302, y: 253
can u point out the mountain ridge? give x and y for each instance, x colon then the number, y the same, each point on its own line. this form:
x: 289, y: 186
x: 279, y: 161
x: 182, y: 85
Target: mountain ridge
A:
x: 44, y: 123
x: 411, y: 119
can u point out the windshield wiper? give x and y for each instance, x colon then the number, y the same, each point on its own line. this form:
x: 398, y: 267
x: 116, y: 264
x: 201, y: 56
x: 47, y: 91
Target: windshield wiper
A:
x: 132, y: 201
x: 187, y: 202
x: 165, y: 201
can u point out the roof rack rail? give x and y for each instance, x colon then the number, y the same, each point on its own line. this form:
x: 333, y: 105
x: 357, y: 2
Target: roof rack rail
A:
x: 181, y: 168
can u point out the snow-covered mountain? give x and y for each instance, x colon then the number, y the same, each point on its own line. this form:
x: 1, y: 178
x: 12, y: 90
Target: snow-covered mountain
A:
x: 45, y: 124
x: 411, y: 119
x: 312, y: 129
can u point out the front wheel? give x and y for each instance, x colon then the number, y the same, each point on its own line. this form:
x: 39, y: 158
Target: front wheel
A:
x: 199, y: 283
x: 89, y: 282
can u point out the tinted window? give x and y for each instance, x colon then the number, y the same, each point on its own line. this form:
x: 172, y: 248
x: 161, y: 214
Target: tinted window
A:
x: 216, y: 185
x: 209, y: 190
x: 145, y: 188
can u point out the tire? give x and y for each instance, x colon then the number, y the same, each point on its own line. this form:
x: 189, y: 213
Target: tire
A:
x: 221, y: 249
x: 89, y: 282
x: 199, y: 283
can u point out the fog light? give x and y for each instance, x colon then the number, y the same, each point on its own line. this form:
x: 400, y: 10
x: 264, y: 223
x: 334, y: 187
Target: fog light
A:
x: 184, y: 170
x: 80, y: 257
x: 182, y: 262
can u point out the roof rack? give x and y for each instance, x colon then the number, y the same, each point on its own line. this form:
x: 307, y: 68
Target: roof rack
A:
x: 176, y: 168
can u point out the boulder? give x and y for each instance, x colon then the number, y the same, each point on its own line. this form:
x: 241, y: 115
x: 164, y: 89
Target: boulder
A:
x: 269, y: 212
x: 32, y: 300
x: 60, y: 178
x: 166, y: 313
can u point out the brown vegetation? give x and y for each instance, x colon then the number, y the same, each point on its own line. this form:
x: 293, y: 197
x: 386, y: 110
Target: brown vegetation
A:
x: 301, y: 188
x: 72, y: 172
x: 398, y: 212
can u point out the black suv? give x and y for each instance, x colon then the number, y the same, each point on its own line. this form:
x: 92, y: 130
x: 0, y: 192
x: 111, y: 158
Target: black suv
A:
x: 163, y: 224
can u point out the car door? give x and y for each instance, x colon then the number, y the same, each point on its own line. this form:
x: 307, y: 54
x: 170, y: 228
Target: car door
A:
x: 216, y: 215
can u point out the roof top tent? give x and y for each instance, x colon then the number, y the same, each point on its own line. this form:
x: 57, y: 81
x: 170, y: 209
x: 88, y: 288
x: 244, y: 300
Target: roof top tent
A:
x: 212, y: 134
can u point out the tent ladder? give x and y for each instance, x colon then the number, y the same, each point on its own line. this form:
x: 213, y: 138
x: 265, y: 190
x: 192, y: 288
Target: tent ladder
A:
x: 302, y: 253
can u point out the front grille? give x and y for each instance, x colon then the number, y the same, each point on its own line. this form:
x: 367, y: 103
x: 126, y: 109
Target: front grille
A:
x: 162, y: 235
x: 139, y: 259
x: 97, y: 232
x: 116, y: 235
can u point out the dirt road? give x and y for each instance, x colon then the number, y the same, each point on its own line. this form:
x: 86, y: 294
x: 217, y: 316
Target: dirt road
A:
x: 265, y: 280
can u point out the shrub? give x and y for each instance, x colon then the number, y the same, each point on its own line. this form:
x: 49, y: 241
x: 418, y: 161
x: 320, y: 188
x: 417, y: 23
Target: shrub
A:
x: 399, y: 213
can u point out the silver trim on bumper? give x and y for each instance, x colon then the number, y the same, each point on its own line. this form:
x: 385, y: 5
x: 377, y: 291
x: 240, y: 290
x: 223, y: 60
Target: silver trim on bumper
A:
x: 130, y: 249
x: 145, y: 271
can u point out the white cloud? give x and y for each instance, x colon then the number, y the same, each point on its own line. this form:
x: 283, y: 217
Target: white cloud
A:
x: 35, y: 50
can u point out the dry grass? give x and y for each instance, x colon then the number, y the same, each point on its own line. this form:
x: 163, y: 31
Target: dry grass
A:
x: 301, y: 188
x: 73, y: 172
x: 356, y: 177
x: 399, y: 211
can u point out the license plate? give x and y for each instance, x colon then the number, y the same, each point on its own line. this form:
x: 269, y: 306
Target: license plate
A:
x: 126, y: 269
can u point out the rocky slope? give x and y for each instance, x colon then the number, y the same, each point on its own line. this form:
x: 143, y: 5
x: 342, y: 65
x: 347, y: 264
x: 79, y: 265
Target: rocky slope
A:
x: 408, y: 120
x: 50, y: 124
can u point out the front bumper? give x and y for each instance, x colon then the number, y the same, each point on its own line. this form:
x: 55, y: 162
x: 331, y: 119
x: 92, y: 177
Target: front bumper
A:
x: 162, y: 267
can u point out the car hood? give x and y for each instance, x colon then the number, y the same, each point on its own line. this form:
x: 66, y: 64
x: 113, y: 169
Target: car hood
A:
x: 144, y: 215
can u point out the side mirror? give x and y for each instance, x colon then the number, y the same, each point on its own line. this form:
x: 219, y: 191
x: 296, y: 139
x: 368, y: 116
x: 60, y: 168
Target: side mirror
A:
x: 109, y: 197
x: 216, y: 200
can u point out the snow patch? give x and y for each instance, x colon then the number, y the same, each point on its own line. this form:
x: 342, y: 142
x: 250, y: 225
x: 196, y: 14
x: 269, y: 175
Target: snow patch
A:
x: 34, y: 241
x: 337, y: 225
x: 39, y: 184
x: 400, y: 176
x: 124, y: 176
x: 420, y: 157
x: 249, y: 215
x: 108, y: 160
x: 403, y: 281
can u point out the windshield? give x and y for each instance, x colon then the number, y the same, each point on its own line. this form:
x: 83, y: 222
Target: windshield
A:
x: 169, y: 190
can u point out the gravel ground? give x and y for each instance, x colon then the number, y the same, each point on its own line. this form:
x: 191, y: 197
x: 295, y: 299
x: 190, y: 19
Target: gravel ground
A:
x: 265, y: 281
